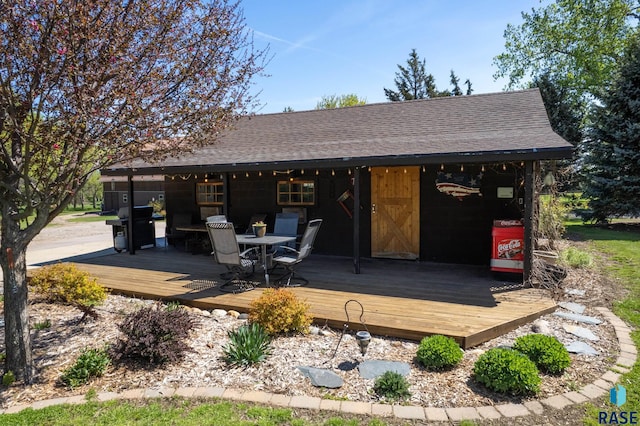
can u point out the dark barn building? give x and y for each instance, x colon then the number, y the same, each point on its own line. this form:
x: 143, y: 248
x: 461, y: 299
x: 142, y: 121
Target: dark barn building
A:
x: 421, y: 179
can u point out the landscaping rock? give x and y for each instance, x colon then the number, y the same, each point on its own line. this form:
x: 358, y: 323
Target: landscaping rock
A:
x: 541, y: 326
x: 375, y: 368
x: 313, y: 330
x: 581, y: 332
x: 573, y: 307
x: 205, y: 313
x: 574, y: 292
x: 582, y: 348
x: 234, y: 314
x: 243, y: 316
x: 578, y: 318
x: 322, y: 377
x: 219, y: 313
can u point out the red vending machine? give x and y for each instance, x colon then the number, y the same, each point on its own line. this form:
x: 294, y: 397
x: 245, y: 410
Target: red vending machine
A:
x: 508, y: 246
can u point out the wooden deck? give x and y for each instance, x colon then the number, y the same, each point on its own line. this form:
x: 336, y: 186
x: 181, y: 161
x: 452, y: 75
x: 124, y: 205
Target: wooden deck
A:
x: 405, y: 299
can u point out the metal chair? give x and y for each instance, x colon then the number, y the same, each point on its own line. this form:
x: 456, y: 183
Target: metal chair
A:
x: 293, y: 256
x: 226, y: 252
x: 286, y: 225
x: 217, y: 218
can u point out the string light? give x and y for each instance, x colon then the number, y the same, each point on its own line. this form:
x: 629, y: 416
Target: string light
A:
x: 260, y: 173
x: 386, y: 170
x: 462, y: 167
x: 405, y: 170
x: 441, y: 166
x: 234, y: 175
x: 333, y: 172
x: 424, y: 169
x: 301, y: 171
x: 369, y: 169
x: 246, y: 174
x: 349, y: 171
x: 504, y: 167
x: 274, y: 172
x: 317, y: 173
x: 482, y: 168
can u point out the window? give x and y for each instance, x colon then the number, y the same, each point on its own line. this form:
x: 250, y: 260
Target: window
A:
x: 296, y: 193
x: 210, y: 193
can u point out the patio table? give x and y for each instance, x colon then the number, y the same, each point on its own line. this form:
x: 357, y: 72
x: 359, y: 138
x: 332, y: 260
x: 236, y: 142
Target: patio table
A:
x: 263, y: 242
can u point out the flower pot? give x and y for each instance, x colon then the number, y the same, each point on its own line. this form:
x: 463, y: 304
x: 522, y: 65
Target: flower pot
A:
x: 550, y: 257
x: 259, y: 231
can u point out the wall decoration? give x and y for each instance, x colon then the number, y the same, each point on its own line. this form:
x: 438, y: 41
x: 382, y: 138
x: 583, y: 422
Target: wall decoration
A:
x: 459, y: 185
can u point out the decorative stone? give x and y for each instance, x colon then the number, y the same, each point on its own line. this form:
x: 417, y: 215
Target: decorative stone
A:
x: 326, y: 332
x: 205, y: 313
x: 374, y: 368
x: 244, y: 316
x: 541, y: 326
x: 234, y: 314
x: 196, y: 311
x: 574, y: 292
x: 219, y: 313
x: 582, y: 348
x: 578, y: 318
x: 573, y: 307
x: 313, y: 330
x: 581, y: 332
x: 322, y: 377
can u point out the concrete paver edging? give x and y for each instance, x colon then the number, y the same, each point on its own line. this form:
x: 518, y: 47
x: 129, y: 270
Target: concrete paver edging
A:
x: 600, y: 387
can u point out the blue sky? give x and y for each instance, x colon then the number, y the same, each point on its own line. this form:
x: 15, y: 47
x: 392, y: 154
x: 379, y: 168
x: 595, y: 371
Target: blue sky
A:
x: 338, y: 47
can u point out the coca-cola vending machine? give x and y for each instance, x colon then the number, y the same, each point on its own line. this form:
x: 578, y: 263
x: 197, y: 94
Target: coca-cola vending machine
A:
x: 508, y: 246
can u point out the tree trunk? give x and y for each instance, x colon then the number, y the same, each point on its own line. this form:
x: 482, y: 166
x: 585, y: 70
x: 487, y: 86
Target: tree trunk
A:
x: 17, y: 335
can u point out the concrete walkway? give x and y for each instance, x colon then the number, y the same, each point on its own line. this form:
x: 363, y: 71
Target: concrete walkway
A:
x: 599, y: 388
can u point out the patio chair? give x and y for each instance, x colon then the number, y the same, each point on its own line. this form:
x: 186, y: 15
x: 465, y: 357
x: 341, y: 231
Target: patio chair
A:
x: 293, y: 256
x: 286, y: 225
x: 217, y: 218
x: 226, y: 252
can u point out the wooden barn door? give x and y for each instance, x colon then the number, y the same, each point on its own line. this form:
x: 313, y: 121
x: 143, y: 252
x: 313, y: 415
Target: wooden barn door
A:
x: 395, y: 212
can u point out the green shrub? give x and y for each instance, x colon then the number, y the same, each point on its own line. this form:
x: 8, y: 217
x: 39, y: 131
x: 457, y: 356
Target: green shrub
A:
x: 247, y: 345
x: 154, y: 335
x: 507, y: 371
x: 8, y: 378
x: 91, y: 363
x: 42, y: 325
x: 391, y: 385
x: 280, y: 311
x: 65, y: 283
x: 439, y: 352
x: 552, y: 214
x: 546, y: 352
x: 576, y: 258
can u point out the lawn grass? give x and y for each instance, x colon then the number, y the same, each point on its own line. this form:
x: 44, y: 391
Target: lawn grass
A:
x: 621, y: 260
x: 174, y: 411
x: 91, y: 218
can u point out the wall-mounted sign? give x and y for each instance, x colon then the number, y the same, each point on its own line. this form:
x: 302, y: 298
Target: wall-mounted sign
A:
x: 458, y: 185
x: 505, y: 192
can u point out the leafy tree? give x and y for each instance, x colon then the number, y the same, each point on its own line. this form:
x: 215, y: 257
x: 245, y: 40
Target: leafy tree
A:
x: 93, y: 188
x: 578, y: 43
x: 84, y: 85
x: 413, y: 82
x: 610, y: 156
x: 335, y: 101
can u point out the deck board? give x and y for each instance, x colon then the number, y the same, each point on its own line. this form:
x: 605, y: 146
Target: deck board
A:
x: 405, y: 299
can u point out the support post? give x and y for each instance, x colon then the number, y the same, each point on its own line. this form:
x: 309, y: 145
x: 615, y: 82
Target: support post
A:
x: 529, y: 200
x: 356, y: 220
x: 130, y: 246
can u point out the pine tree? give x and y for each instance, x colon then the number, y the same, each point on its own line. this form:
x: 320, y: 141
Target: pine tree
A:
x: 610, y: 156
x: 412, y: 82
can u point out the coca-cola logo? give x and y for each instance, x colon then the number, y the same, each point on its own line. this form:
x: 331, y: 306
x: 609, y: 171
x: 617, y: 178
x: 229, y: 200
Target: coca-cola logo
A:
x: 508, y: 249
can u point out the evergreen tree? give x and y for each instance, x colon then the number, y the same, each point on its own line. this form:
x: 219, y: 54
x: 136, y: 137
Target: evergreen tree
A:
x: 610, y: 156
x: 412, y: 82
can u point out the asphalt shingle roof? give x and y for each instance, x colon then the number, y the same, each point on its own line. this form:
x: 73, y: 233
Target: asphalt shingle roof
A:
x: 513, y: 124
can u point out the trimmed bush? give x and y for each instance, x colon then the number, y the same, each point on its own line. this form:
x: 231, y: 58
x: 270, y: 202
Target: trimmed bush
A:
x: 247, y: 345
x: 439, y: 352
x: 154, y: 335
x: 91, y: 363
x: 280, y: 311
x: 507, y: 371
x: 576, y: 258
x: 546, y: 352
x: 392, y: 386
x: 65, y: 283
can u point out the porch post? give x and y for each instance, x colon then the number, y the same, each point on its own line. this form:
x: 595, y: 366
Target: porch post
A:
x: 529, y: 200
x: 225, y: 197
x: 356, y: 220
x: 130, y: 247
